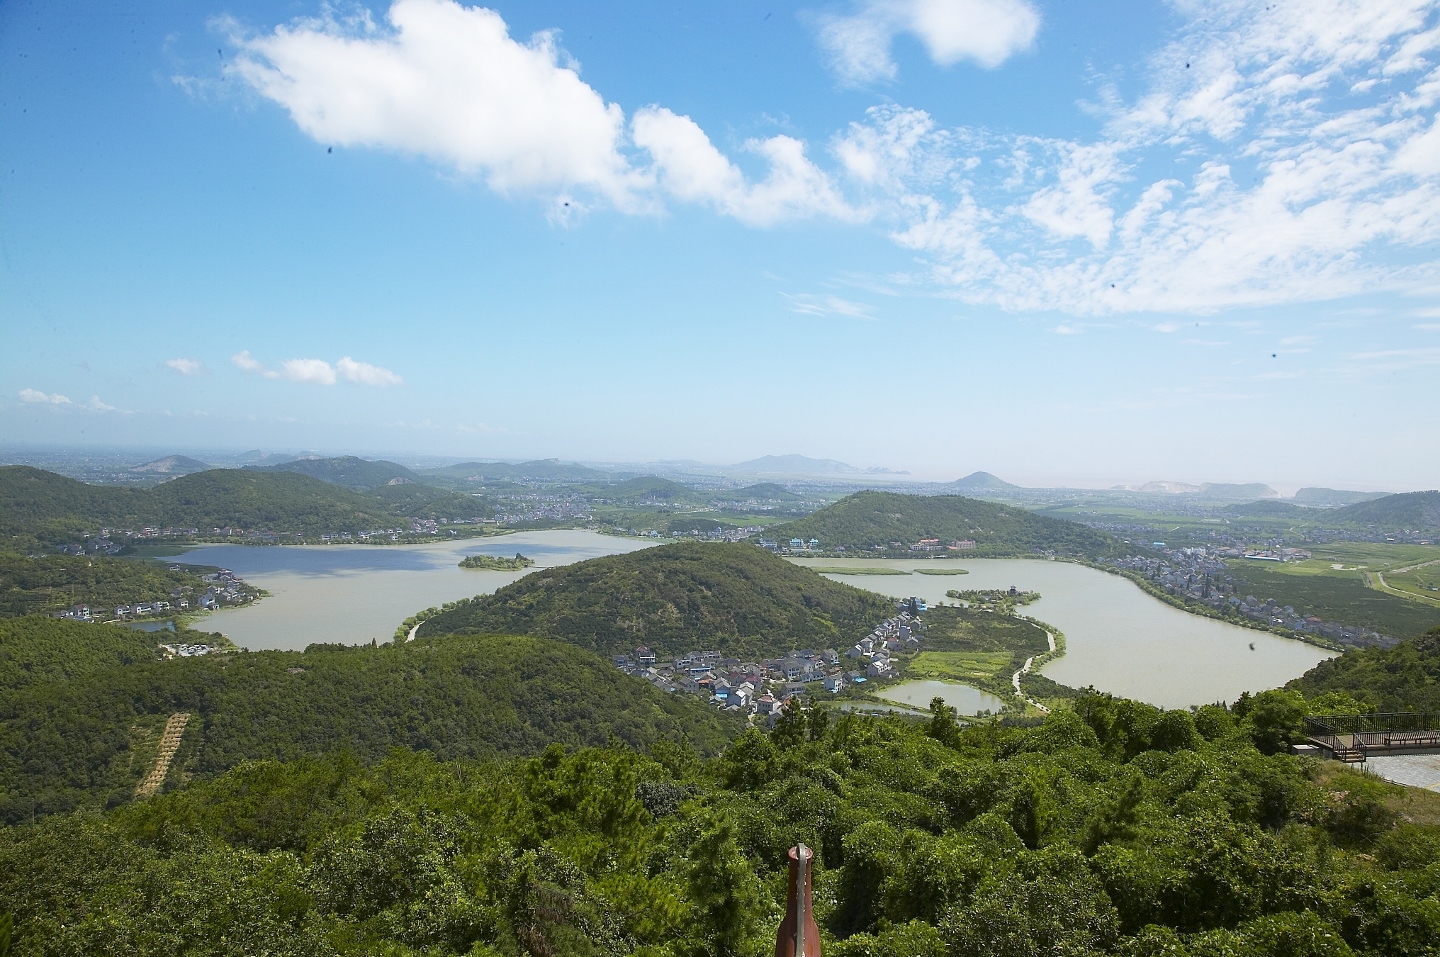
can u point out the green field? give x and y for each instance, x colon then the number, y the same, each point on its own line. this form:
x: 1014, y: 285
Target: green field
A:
x: 860, y: 570
x: 942, y: 571
x: 1339, y: 595
x: 966, y: 666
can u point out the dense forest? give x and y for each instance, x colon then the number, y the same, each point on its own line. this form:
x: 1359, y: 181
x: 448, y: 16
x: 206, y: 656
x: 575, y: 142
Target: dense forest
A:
x: 38, y: 507
x: 733, y: 598
x: 1403, y: 678
x: 347, y: 470
x: 874, y: 520
x: 1114, y: 828
x: 81, y: 703
x: 47, y: 583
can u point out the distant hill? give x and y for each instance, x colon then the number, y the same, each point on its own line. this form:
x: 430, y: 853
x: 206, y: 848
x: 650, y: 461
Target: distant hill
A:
x: 981, y: 481
x: 1214, y: 490
x: 1269, y: 509
x: 171, y: 465
x: 68, y: 743
x: 649, y: 489
x: 41, y: 507
x: 346, y: 470
x: 867, y: 520
x: 540, y: 470
x: 733, y: 598
x: 1406, y: 510
x: 419, y: 500
x: 795, y: 465
x: 1331, y: 497
x: 1403, y: 678
x: 763, y: 492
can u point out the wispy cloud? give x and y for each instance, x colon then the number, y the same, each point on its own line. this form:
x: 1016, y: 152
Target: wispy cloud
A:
x: 185, y: 366
x: 245, y: 362
x: 314, y: 371
x: 319, y: 371
x: 366, y: 374
x: 37, y: 397
x: 814, y: 305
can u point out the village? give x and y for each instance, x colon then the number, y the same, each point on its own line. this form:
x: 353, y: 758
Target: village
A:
x: 760, y: 689
x: 223, y: 587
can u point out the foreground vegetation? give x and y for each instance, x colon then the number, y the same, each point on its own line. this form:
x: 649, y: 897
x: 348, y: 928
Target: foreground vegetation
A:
x: 1403, y: 678
x: 81, y: 706
x: 1114, y: 828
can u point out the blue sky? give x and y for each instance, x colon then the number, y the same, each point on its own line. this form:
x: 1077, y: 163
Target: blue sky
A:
x: 1067, y: 242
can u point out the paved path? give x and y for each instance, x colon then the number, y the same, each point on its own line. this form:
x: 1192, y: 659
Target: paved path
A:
x: 1015, y: 678
x: 411, y: 636
x: 1389, y: 589
x: 169, y: 744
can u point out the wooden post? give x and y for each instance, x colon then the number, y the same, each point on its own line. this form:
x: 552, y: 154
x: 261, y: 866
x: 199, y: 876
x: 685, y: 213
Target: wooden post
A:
x: 799, y: 936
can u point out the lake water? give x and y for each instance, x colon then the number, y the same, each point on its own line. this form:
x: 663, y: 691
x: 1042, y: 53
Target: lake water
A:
x: 963, y: 698
x: 1118, y: 638
x: 352, y: 594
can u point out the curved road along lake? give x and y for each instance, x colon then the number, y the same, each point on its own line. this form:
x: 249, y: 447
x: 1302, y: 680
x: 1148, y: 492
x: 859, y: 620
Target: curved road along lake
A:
x: 1118, y: 638
x: 352, y: 594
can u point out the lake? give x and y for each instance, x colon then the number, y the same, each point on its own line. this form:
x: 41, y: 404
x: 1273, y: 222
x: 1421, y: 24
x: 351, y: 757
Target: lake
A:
x: 353, y: 594
x: 963, y: 698
x: 1118, y: 638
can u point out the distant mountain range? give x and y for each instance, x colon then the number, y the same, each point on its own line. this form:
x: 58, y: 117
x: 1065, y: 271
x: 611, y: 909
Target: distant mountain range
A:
x: 981, y: 481
x: 539, y: 470
x: 1327, y: 497
x: 1213, y: 490
x: 346, y: 470
x: 796, y: 465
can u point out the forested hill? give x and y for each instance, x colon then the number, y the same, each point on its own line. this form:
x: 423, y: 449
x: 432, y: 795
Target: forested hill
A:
x: 37, y: 649
x: 347, y: 470
x: 1406, y: 510
x: 871, y: 520
x: 1403, y: 678
x: 42, y: 507
x: 733, y: 598
x: 88, y: 741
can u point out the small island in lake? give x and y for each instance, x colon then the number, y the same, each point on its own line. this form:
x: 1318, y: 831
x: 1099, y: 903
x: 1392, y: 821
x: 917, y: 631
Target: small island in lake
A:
x: 497, y: 563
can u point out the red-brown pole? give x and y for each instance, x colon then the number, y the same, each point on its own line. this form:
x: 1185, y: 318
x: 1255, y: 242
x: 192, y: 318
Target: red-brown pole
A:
x: 799, y: 936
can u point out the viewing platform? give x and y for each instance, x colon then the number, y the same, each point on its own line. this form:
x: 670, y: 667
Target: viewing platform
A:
x: 1355, y: 738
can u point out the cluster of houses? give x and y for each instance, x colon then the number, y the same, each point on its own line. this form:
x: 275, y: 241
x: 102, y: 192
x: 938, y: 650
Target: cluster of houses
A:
x: 223, y: 587
x: 183, y: 650
x: 1201, y: 575
x: 761, y: 688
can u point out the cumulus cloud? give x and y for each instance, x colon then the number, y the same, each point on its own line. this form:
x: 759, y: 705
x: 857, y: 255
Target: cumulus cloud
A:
x: 185, y: 366
x: 449, y: 83
x: 987, y: 32
x: 366, y: 374
x: 40, y: 398
x: 314, y: 371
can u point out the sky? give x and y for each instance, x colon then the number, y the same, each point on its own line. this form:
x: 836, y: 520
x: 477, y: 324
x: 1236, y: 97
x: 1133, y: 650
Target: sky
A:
x: 1080, y: 242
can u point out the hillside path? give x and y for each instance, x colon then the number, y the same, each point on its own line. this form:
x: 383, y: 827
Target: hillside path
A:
x: 169, y: 744
x: 1025, y: 670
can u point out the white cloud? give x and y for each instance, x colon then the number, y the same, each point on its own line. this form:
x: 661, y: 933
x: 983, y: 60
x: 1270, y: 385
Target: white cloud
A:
x: 245, y: 362
x: 95, y: 405
x: 446, y: 82
x: 185, y: 366
x: 38, y: 397
x: 314, y: 371
x: 366, y: 374
x: 689, y: 167
x: 987, y: 32
x: 1428, y: 326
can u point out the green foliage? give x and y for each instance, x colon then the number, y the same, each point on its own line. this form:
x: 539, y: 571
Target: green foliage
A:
x: 870, y: 520
x: 1408, y: 510
x: 735, y: 598
x: 42, y: 649
x: 55, y: 582
x: 79, y: 743
x: 497, y: 562
x: 1114, y: 829
x: 1403, y: 678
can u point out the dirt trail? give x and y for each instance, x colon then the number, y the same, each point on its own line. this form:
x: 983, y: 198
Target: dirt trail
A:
x: 169, y: 744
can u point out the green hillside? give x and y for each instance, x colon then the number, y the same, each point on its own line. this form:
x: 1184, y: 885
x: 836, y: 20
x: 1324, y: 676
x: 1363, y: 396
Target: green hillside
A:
x: 1407, y: 510
x: 1330, y: 496
x: 426, y: 501
x: 1403, y: 678
x: 42, y: 507
x: 649, y: 490
x: 763, y: 492
x: 1268, y: 508
x: 84, y: 741
x: 733, y: 598
x: 874, y: 520
x: 51, y: 583
x: 347, y: 470
x: 1112, y: 829
x: 39, y: 649
x: 980, y: 482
